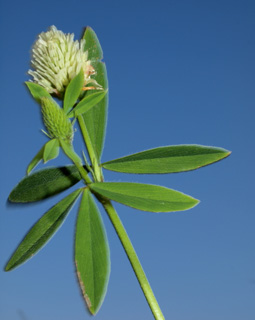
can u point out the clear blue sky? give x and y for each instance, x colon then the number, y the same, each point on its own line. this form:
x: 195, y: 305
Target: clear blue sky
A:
x: 179, y: 72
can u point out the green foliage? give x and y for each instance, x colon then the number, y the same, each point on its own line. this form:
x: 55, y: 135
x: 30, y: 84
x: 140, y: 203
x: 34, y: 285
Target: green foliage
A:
x: 87, y: 103
x: 42, y: 231
x: 73, y: 91
x: 36, y: 160
x: 92, y: 258
x: 92, y: 45
x: 45, y: 183
x: 37, y: 91
x: 144, y: 196
x: 167, y: 159
x: 96, y: 118
x: 51, y: 150
x: 91, y: 246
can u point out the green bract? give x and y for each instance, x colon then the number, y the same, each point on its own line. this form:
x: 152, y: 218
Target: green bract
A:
x: 73, y: 91
x: 74, y: 72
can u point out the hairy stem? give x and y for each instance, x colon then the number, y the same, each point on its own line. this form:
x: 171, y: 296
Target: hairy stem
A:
x: 91, y: 152
x: 70, y: 153
x: 132, y: 256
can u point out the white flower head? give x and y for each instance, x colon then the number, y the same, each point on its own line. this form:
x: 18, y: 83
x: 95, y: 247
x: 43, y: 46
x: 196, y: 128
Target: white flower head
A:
x: 57, y: 59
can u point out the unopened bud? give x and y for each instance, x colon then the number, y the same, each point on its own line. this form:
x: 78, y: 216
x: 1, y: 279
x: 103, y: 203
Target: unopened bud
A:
x: 56, y: 121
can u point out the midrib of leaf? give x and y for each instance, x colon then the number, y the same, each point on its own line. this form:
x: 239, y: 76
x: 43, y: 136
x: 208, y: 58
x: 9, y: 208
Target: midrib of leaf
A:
x: 125, y: 159
x: 140, y: 199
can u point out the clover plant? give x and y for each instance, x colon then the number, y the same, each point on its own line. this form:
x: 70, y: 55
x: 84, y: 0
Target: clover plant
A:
x: 69, y: 82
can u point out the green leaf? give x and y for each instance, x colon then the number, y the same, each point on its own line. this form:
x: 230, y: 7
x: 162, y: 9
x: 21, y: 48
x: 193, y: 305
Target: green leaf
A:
x: 92, y: 45
x: 45, y: 183
x: 91, y: 253
x: 96, y: 118
x: 168, y: 159
x: 87, y: 103
x: 51, y: 150
x: 73, y: 91
x: 42, y: 231
x: 35, y: 161
x: 37, y: 91
x: 144, y: 196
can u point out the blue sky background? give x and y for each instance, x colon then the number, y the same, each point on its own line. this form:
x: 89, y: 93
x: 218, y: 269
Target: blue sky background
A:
x: 179, y: 72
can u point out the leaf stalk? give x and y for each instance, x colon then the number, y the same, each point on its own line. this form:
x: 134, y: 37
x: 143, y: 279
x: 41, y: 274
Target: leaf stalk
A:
x: 133, y: 258
x: 91, y: 151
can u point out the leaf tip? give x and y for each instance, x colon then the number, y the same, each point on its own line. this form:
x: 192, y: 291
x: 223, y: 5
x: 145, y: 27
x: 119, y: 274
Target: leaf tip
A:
x: 84, y: 294
x: 194, y: 202
x: 228, y: 153
x: 225, y: 154
x: 8, y: 267
x: 11, y: 197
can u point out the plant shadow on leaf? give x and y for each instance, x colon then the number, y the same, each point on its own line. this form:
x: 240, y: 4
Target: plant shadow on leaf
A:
x: 47, y: 183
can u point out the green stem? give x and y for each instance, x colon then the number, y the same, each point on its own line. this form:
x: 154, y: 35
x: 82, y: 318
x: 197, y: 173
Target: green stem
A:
x: 132, y: 256
x: 89, y: 146
x: 69, y: 151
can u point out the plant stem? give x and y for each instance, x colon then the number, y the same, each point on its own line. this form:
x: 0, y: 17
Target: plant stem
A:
x: 91, y: 152
x: 132, y: 256
x: 69, y: 151
x: 83, y: 172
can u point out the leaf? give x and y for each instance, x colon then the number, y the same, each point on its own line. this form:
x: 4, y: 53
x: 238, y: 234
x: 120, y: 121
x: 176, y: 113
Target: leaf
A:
x: 144, y: 196
x: 35, y: 161
x: 92, y: 45
x: 87, y: 103
x: 42, y: 231
x: 37, y: 91
x: 167, y: 159
x: 45, y: 183
x: 96, y: 118
x: 73, y: 91
x: 91, y: 253
x: 51, y: 150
